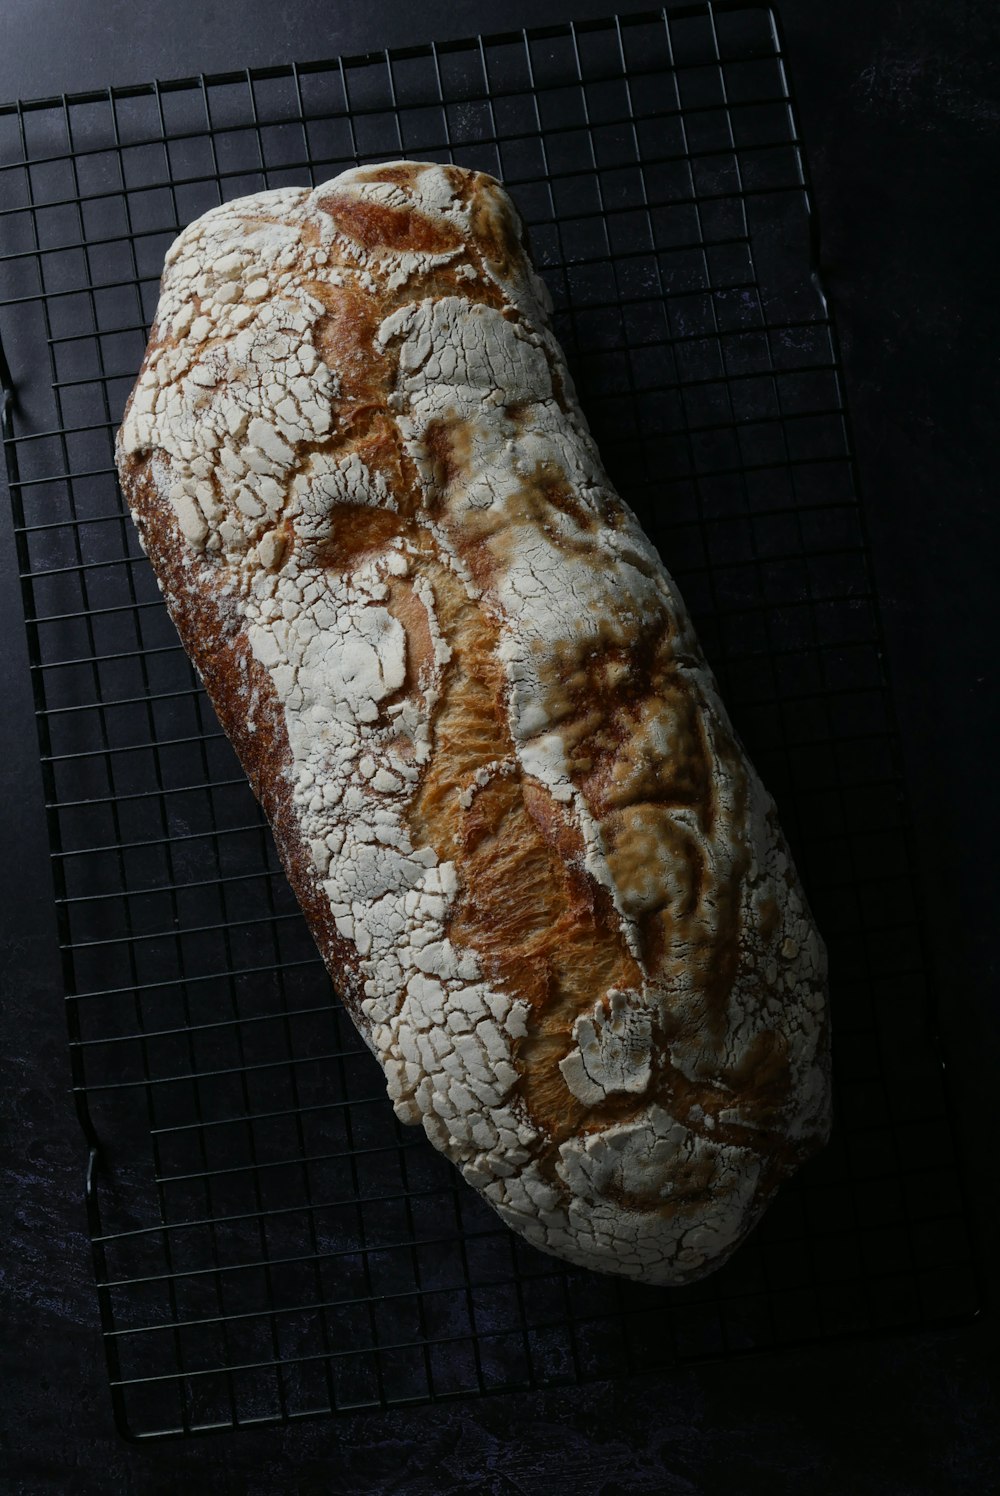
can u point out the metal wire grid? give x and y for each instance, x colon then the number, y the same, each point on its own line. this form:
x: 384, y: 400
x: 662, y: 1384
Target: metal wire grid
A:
x: 268, y: 1242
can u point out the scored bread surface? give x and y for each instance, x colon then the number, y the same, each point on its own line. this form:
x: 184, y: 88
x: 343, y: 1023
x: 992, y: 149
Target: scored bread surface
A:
x: 549, y: 886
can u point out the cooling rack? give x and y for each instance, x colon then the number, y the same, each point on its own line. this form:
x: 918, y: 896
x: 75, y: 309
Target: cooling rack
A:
x: 268, y: 1242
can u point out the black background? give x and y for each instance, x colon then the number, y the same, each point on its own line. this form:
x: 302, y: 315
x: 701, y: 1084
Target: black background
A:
x: 900, y: 110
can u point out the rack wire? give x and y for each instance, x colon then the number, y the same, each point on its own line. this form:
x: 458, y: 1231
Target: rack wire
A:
x: 268, y: 1242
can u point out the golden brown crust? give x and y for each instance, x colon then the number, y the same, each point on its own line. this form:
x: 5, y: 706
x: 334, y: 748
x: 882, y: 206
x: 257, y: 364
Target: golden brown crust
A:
x: 534, y: 857
x: 218, y: 647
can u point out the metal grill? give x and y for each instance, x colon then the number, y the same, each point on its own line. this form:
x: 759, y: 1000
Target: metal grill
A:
x: 268, y: 1242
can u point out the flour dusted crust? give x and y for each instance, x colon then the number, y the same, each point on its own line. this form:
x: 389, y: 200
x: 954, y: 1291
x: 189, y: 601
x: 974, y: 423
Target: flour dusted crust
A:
x: 550, y: 888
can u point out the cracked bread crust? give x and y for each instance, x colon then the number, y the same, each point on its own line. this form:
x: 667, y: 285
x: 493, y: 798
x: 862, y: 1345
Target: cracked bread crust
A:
x: 548, y: 884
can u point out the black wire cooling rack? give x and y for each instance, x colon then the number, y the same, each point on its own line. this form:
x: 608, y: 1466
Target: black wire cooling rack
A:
x: 268, y: 1241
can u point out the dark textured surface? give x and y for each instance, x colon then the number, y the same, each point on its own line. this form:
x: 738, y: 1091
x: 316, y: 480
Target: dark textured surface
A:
x: 899, y: 121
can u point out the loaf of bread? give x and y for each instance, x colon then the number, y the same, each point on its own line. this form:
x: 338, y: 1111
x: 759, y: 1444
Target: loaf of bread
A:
x: 549, y: 887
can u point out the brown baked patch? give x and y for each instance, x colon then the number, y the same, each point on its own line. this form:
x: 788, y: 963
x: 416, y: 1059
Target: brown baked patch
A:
x: 359, y: 531
x: 448, y: 443
x: 543, y: 929
x: 378, y: 226
x: 496, y: 230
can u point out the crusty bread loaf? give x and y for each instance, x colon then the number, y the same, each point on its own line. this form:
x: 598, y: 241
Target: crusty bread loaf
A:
x: 549, y: 887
